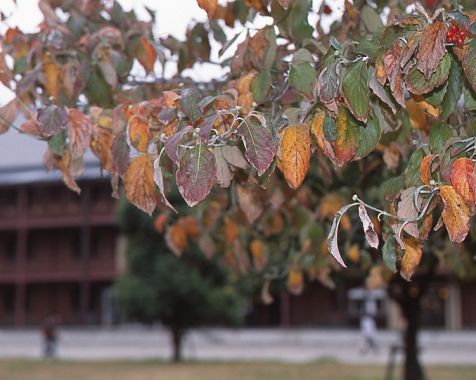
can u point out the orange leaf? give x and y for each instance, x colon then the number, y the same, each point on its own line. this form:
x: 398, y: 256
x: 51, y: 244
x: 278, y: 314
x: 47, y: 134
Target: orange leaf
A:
x: 176, y: 238
x: 258, y: 253
x: 139, y: 183
x: 455, y: 214
x: 317, y: 130
x: 139, y: 134
x: 209, y: 6
x: 295, y: 281
x: 160, y: 221
x: 295, y: 154
x: 462, y: 179
x: 190, y: 225
x: 425, y: 169
x: 146, y: 53
x: 418, y: 110
x: 411, y: 259
x: 231, y: 230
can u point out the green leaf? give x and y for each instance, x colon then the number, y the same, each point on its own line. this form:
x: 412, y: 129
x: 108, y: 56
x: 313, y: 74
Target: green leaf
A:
x: 330, y: 129
x: 469, y: 64
x: 370, y: 18
x: 389, y: 254
x: 356, y: 90
x: 260, y: 85
x: 469, y: 99
x: 98, y: 91
x: 58, y: 143
x: 189, y: 104
x: 391, y: 188
x: 369, y: 137
x: 218, y: 33
x: 302, y: 77
x: 439, y: 135
x: 419, y: 85
x: 412, y: 172
x: 435, y: 98
x: 454, y: 90
x: 196, y: 174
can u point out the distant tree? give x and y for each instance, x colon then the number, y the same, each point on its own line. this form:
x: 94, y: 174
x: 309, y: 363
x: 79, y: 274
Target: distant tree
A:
x: 180, y: 292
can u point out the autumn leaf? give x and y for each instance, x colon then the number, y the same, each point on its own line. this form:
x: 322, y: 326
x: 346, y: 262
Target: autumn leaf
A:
x: 406, y: 210
x: 347, y: 141
x: 258, y: 254
x: 209, y: 6
x: 317, y: 131
x: 146, y: 54
x: 79, y: 132
x: 391, y: 65
x: 425, y: 169
x: 159, y: 181
x: 52, y: 73
x: 259, y: 145
x: 250, y: 202
x: 370, y: 234
x: 52, y: 119
x: 462, y: 179
x: 176, y: 238
x: 411, y: 258
x: 295, y: 282
x: 196, y: 174
x: 139, y: 133
x: 432, y: 48
x: 455, y: 214
x: 224, y: 174
x: 8, y: 115
x: 295, y: 154
x: 139, y: 183
x: 469, y: 64
x: 160, y: 222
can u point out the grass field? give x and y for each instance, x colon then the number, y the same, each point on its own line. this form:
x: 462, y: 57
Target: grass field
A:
x: 326, y: 370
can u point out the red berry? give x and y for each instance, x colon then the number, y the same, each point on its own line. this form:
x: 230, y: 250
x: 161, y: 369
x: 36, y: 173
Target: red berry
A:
x: 326, y: 9
x: 451, y: 39
x: 460, y: 41
x: 453, y: 28
x: 449, y: 35
x: 462, y: 33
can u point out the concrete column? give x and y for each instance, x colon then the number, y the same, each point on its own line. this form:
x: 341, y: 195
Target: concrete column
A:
x: 453, y: 317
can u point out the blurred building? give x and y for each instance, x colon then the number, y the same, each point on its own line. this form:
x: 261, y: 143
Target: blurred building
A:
x: 57, y: 249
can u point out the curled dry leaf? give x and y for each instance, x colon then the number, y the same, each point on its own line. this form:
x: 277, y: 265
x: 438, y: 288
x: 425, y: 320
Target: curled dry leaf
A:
x: 425, y: 169
x: 8, y: 114
x: 332, y: 237
x: 79, y: 132
x: 411, y: 258
x: 407, y: 210
x: 295, y: 154
x: 139, y: 183
x: 432, y: 48
x: 455, y: 214
x: 370, y: 234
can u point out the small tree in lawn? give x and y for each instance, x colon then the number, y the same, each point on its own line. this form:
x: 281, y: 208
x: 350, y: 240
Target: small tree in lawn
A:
x: 180, y: 292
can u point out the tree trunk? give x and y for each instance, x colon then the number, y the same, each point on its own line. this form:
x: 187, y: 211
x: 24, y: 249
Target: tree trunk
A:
x: 177, y: 335
x: 412, y: 368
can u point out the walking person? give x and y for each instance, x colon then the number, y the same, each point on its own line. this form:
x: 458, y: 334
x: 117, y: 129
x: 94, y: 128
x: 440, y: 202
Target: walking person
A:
x: 50, y: 337
x: 368, y: 330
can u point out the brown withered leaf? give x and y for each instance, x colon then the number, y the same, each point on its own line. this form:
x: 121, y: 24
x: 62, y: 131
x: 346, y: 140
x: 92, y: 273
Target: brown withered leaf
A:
x: 295, y: 154
x: 370, y: 234
x: 462, y: 179
x: 391, y: 63
x: 406, y: 209
x: 223, y: 170
x: 411, y: 258
x: 209, y: 6
x: 79, y: 132
x: 139, y: 183
x: 455, y: 214
x: 8, y: 114
x: 431, y: 48
x: 70, y: 168
x: 250, y: 202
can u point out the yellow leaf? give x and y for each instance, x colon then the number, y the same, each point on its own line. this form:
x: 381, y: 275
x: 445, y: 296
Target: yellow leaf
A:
x: 295, y: 154
x: 411, y: 258
x: 455, y: 214
x: 419, y: 110
x: 139, y: 133
x: 139, y: 183
x: 295, y: 281
x: 53, y: 74
x: 425, y: 169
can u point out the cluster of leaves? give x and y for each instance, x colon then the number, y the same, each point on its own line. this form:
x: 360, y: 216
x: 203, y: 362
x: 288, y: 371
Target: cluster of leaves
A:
x: 398, y: 98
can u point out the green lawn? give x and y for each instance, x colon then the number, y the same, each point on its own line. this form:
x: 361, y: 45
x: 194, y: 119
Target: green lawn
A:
x: 62, y: 370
